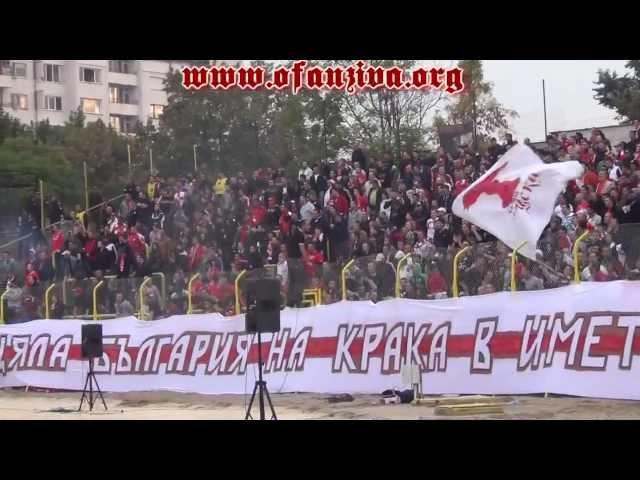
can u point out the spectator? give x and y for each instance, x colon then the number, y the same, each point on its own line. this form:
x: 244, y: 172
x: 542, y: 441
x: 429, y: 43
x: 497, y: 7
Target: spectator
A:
x: 8, y: 268
x: 123, y: 307
x: 13, y: 297
x: 531, y: 281
x: 436, y: 283
x: 57, y: 245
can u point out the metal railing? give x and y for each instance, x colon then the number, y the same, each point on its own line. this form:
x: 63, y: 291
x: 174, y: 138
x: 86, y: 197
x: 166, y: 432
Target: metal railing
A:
x: 95, y: 299
x: 190, y: 293
x: 141, y: 314
x: 405, y: 275
x: 455, y: 287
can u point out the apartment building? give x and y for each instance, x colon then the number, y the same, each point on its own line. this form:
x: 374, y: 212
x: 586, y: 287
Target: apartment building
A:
x: 119, y: 92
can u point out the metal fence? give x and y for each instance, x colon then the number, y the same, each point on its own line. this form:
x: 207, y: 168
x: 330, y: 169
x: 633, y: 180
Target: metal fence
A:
x: 418, y: 272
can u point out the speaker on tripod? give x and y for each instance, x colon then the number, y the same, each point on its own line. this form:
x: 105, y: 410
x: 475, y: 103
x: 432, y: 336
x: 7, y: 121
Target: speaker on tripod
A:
x: 263, y: 315
x: 91, y: 349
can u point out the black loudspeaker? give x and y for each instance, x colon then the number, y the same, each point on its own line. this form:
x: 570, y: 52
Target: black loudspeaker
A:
x: 263, y: 305
x: 92, y: 341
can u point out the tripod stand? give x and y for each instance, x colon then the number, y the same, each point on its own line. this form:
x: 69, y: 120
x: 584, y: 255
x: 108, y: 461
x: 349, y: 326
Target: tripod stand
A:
x: 260, y: 387
x: 90, y: 380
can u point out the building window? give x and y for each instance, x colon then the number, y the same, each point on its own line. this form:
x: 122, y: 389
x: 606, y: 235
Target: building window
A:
x: 118, y: 94
x: 15, y: 69
x: 52, y: 73
x: 52, y: 103
x: 121, y: 66
x: 122, y: 124
x: 91, y: 105
x: 90, y: 75
x: 156, y: 110
x: 20, y: 69
x: 19, y: 101
x: 116, y: 123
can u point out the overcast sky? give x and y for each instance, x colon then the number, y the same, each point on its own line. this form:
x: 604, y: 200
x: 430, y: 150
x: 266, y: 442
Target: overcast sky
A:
x: 569, y: 87
x: 517, y: 84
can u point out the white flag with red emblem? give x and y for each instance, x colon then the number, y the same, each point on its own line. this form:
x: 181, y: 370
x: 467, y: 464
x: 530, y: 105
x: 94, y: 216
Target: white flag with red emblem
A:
x: 514, y: 199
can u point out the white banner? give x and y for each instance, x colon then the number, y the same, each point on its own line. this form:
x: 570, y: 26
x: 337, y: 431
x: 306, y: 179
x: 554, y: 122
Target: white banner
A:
x: 578, y: 340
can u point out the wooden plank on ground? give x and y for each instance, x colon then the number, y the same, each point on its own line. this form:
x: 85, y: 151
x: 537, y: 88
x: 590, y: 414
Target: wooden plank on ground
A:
x: 470, y: 409
x: 434, y: 402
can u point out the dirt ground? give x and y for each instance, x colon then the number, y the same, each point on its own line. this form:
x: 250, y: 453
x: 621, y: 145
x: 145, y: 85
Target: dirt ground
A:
x: 21, y: 405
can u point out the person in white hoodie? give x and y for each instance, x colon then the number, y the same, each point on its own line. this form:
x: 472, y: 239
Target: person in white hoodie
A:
x: 305, y: 171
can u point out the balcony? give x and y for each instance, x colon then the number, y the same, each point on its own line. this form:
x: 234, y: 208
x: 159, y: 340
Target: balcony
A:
x: 129, y: 79
x: 123, y: 72
x: 129, y: 109
x: 8, y: 74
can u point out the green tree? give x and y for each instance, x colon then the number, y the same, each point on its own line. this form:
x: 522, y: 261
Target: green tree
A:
x: 237, y: 129
x: 23, y: 163
x: 100, y: 147
x: 620, y: 93
x: 478, y: 105
x: 389, y: 120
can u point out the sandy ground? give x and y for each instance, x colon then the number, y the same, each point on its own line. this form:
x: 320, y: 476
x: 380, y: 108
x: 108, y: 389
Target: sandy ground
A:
x: 21, y: 405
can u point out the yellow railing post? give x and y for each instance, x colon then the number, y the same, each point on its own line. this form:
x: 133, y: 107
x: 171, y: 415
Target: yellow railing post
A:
x: 315, y: 294
x: 576, y: 256
x: 189, y: 299
x: 46, y: 300
x: 514, y: 256
x: 398, y: 274
x: 455, y: 289
x: 141, y: 294
x: 2, y: 306
x: 343, y: 276
x: 95, y: 299
x: 237, y: 290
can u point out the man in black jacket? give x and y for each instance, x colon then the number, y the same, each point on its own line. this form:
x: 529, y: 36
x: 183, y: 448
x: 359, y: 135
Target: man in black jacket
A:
x: 385, y: 277
x: 55, y: 210
x: 318, y: 182
x: 105, y: 257
x: 442, y: 237
x: 294, y: 254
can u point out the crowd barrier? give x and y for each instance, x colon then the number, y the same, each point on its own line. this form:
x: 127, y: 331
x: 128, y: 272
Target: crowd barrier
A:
x: 427, y: 273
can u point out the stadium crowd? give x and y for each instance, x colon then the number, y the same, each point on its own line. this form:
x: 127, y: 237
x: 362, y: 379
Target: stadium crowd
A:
x: 305, y: 227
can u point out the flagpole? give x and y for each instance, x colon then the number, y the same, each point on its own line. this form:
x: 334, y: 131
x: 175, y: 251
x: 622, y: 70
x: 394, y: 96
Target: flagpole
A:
x: 195, y: 159
x: 544, y: 106
x: 42, y: 207
x: 150, y: 161
x: 86, y: 188
x: 129, y: 157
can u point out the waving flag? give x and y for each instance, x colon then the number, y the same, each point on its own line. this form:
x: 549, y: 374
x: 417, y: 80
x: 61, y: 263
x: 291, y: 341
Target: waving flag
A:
x: 514, y: 199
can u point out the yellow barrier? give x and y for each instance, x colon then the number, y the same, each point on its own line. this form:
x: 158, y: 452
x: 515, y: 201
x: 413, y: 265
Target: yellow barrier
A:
x: 95, y: 299
x: 2, y: 306
x: 83, y: 317
x: 315, y: 294
x: 398, y: 274
x: 189, y: 300
x: 46, y: 300
x: 343, y: 275
x: 514, y: 256
x: 237, y: 290
x: 455, y: 287
x: 141, y: 293
x: 576, y: 256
